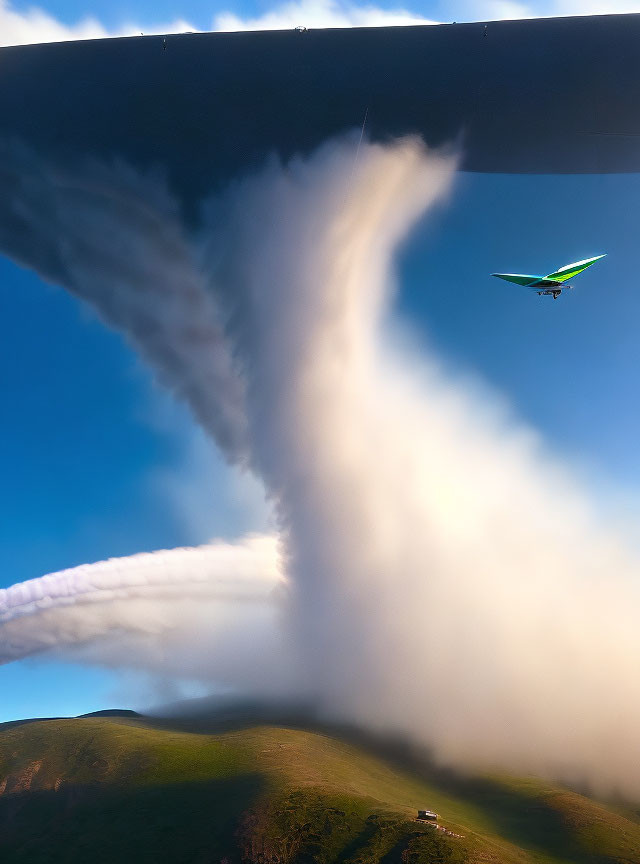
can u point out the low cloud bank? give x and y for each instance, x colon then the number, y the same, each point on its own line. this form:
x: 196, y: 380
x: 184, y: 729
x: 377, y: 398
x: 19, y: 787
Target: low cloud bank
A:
x: 446, y: 576
x: 319, y: 14
x: 35, y: 25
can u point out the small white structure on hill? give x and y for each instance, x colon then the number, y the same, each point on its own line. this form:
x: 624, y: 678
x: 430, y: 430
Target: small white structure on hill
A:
x: 427, y: 815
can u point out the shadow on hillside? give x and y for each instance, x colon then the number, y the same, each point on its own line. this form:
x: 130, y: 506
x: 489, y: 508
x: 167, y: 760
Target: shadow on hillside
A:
x: 193, y: 822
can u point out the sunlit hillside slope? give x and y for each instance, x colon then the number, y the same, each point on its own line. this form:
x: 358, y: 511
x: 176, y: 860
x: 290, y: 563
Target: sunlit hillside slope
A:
x: 117, y: 789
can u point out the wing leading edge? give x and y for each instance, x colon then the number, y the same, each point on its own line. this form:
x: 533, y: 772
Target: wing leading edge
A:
x: 571, y: 270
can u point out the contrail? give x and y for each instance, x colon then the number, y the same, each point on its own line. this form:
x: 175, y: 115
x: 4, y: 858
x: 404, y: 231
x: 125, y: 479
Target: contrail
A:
x: 446, y: 576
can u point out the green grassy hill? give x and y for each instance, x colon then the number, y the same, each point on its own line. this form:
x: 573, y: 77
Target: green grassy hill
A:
x: 118, y: 789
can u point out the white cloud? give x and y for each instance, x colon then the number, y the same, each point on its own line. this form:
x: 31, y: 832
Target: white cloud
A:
x: 36, y: 25
x: 500, y: 10
x: 319, y: 14
x: 592, y: 7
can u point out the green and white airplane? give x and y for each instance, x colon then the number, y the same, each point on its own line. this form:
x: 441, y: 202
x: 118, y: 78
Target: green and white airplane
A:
x: 553, y: 284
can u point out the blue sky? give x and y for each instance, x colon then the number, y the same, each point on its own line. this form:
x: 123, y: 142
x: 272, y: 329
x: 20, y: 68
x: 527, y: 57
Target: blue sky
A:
x: 97, y: 461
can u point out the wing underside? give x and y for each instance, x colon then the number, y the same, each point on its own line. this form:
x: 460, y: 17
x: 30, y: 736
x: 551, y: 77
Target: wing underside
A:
x: 518, y: 278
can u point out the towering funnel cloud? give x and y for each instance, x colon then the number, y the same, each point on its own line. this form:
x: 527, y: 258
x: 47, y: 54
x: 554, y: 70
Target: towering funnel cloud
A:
x: 447, y: 578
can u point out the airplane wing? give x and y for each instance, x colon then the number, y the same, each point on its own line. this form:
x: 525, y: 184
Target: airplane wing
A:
x: 571, y: 270
x: 519, y: 278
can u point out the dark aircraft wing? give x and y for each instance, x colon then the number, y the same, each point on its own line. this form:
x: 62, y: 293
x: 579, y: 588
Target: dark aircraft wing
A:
x: 206, y: 107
